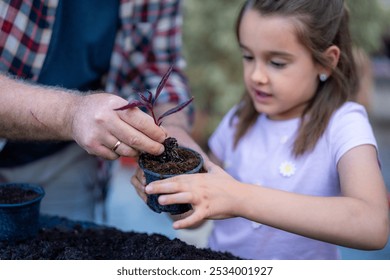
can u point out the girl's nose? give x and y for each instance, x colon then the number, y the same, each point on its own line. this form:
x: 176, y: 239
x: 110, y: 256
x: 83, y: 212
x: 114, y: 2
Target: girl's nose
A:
x: 259, y: 75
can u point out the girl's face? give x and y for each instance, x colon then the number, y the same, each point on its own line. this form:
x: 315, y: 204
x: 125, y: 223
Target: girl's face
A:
x: 279, y: 72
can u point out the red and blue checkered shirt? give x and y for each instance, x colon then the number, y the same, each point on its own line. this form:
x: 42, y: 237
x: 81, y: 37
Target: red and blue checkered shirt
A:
x: 147, y: 42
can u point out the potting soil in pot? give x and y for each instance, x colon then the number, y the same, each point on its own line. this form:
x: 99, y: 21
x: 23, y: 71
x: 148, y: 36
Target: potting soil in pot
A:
x: 152, y: 163
x: 62, y: 240
x: 16, y: 195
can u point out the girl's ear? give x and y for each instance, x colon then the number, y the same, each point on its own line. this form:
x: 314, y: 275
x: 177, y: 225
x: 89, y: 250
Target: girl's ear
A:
x: 332, y: 54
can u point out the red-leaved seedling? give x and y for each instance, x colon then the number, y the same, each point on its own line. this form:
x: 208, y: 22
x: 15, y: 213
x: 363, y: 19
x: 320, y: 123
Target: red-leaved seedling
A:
x: 147, y: 100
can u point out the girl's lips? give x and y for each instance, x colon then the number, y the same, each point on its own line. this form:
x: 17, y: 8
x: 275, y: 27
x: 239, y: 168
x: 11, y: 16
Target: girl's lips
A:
x: 261, y: 95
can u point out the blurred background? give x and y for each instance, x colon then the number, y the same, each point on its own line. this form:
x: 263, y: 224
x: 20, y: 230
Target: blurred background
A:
x: 215, y: 76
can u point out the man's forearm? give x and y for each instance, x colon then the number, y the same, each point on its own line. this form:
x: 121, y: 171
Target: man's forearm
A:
x: 34, y: 112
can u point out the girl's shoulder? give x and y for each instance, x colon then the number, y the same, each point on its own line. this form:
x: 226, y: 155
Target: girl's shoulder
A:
x: 349, y: 115
x: 230, y: 119
x: 349, y: 127
x: 350, y: 108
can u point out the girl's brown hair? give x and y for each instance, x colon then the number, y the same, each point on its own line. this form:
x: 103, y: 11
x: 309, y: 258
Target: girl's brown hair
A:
x: 320, y: 24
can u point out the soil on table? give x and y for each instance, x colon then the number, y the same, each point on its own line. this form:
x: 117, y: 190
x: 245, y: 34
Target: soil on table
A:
x: 14, y: 195
x: 80, y: 243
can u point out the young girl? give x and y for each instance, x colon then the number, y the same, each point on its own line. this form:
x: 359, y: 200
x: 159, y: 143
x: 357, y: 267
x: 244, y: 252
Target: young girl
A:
x: 300, y: 159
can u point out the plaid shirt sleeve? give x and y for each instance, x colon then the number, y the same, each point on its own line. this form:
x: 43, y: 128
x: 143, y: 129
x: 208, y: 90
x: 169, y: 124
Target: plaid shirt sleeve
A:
x: 147, y: 44
x: 25, y: 32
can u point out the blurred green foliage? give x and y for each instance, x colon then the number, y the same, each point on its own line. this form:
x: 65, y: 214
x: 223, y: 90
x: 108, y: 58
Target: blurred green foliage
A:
x: 367, y: 22
x: 214, y: 61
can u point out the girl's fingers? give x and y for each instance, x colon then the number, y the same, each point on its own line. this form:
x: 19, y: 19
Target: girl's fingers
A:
x: 166, y: 186
x: 176, y: 198
x: 138, y: 181
x: 188, y: 222
x: 139, y: 174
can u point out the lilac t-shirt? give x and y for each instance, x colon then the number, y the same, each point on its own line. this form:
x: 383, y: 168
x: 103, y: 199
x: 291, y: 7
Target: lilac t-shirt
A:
x: 263, y: 157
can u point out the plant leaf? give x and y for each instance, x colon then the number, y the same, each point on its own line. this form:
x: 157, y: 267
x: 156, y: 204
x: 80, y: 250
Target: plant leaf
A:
x: 150, y: 97
x: 174, y: 110
x: 132, y: 104
x: 162, y: 82
x: 144, y: 98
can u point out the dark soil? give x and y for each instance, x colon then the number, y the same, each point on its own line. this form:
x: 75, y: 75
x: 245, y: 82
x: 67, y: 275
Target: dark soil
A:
x: 94, y: 243
x: 13, y: 195
x: 174, y: 160
x: 189, y: 162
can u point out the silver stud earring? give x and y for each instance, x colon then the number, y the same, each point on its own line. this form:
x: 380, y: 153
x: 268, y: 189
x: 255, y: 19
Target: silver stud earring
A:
x: 323, y: 77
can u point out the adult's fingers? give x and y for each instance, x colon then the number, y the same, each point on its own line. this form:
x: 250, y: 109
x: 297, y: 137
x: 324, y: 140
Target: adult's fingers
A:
x: 117, y: 147
x: 96, y: 118
x: 126, y: 151
x: 139, y: 131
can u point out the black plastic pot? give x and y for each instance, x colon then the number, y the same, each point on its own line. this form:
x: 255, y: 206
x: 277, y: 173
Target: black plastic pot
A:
x: 19, y: 221
x: 152, y: 200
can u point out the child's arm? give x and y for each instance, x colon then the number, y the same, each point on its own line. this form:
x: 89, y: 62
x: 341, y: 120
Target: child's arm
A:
x: 359, y: 218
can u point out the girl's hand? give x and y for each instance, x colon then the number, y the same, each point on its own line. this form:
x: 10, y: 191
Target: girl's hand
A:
x: 139, y: 182
x: 213, y: 195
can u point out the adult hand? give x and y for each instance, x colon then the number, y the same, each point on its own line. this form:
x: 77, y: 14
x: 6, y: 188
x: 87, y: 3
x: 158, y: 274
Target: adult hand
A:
x: 107, y: 133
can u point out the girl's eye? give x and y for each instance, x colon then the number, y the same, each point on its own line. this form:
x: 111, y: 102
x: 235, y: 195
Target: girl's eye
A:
x: 247, y: 57
x: 277, y: 64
